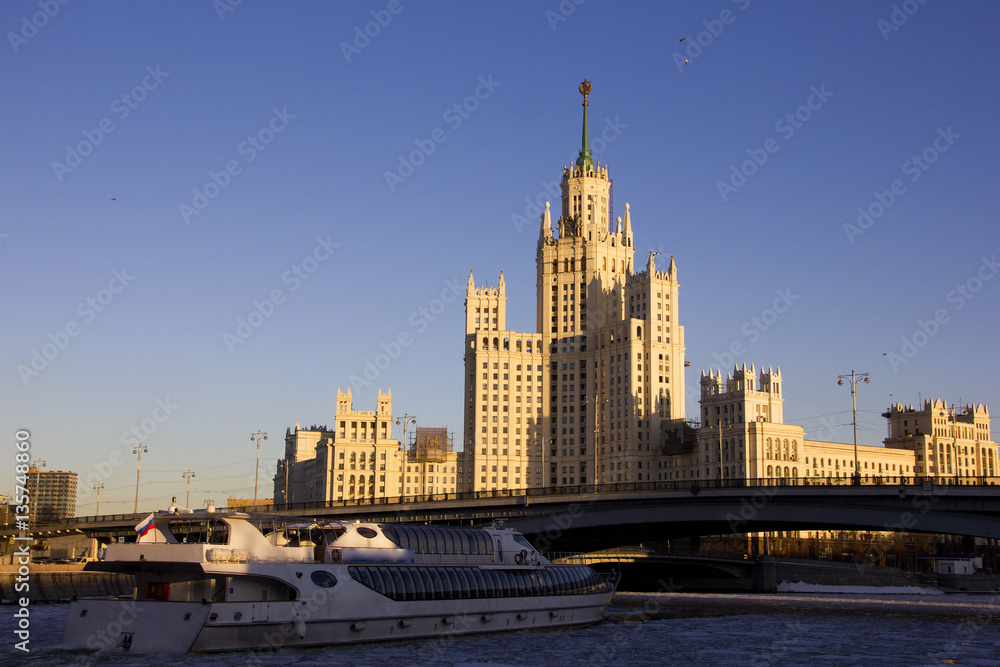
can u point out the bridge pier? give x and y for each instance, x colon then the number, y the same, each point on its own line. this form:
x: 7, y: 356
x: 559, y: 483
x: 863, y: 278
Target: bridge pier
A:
x: 764, y: 577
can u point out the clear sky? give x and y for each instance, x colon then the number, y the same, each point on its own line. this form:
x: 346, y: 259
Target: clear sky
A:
x: 169, y: 168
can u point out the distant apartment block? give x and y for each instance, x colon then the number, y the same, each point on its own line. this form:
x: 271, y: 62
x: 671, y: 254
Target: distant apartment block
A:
x: 52, y: 494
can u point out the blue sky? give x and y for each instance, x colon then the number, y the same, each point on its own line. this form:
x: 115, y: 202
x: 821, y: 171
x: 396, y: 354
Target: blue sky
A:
x: 170, y: 168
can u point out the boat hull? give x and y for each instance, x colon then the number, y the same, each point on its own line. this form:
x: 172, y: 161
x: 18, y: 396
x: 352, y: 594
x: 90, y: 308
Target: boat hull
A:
x: 134, y: 626
x: 407, y: 624
x: 152, y: 626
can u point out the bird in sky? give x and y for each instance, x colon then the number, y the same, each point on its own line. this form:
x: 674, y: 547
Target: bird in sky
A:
x: 682, y: 39
x: 113, y: 199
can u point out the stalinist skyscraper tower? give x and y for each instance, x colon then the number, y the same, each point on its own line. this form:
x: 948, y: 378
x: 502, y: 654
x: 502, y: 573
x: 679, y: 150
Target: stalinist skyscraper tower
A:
x: 587, y: 397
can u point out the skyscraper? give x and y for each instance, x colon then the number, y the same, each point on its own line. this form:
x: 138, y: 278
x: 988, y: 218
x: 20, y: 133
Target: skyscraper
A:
x: 584, y: 398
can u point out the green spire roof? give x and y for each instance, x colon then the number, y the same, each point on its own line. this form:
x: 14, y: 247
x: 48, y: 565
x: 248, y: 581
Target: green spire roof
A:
x: 585, y: 157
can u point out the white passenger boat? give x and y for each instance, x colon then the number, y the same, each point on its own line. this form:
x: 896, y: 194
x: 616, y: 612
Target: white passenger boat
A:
x: 217, y: 581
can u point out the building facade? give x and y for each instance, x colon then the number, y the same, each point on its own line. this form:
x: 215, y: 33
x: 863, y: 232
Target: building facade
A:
x: 358, y: 460
x: 594, y: 392
x: 52, y: 494
x: 945, y: 442
x: 742, y: 435
x: 584, y: 397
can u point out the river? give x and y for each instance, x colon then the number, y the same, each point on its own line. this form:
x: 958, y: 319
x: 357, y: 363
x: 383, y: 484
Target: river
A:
x: 641, y: 629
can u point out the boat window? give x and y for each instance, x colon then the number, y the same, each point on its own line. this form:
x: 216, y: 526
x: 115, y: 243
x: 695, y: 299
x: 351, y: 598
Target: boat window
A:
x: 408, y: 585
x: 323, y: 579
x: 448, y: 582
x: 379, y: 584
x: 393, y: 534
x: 537, y: 586
x: 365, y: 531
x: 388, y: 581
x: 524, y: 543
x: 466, y: 584
x: 448, y: 545
x: 560, y: 580
x: 456, y: 585
x: 437, y: 585
x: 398, y: 584
x: 490, y: 584
x: 547, y: 582
x: 209, y: 531
x: 420, y: 591
x: 333, y: 534
x: 518, y: 578
x: 509, y: 585
x: 479, y: 583
x: 361, y: 575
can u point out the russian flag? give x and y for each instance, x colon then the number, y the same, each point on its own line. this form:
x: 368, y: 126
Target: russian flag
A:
x: 145, y: 526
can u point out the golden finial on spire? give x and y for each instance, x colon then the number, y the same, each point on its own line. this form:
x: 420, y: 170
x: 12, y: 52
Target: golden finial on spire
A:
x: 585, y: 89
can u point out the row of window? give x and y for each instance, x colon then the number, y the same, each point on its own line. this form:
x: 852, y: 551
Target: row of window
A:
x: 439, y: 540
x: 408, y: 583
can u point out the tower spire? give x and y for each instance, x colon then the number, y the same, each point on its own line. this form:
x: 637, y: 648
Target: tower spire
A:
x: 585, y: 157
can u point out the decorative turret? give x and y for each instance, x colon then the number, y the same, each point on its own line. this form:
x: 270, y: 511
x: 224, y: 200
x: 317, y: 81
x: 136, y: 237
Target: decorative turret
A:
x: 545, y: 233
x: 384, y: 402
x: 627, y: 240
x: 344, y: 402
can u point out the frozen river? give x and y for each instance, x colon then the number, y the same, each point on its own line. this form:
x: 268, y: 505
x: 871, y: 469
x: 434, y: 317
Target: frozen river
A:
x: 646, y: 629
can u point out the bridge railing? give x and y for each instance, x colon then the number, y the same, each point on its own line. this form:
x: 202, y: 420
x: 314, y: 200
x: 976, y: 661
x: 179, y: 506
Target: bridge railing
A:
x: 524, y: 496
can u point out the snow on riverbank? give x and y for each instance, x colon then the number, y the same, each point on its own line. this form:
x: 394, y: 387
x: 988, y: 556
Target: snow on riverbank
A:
x: 803, y: 587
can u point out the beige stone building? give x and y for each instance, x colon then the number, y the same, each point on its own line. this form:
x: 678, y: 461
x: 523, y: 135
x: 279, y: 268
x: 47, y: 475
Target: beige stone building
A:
x: 945, y: 442
x: 359, y: 460
x: 583, y: 398
x: 742, y: 435
x: 594, y: 392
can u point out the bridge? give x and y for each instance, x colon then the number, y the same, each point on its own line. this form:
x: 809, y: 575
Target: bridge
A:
x: 592, y: 517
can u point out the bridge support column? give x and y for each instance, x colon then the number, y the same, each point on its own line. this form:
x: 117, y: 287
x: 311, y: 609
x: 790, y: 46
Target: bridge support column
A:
x: 764, y: 576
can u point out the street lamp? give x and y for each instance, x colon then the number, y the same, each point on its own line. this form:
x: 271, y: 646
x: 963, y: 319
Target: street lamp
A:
x: 261, y: 435
x: 854, y: 402
x: 140, y: 450
x: 722, y: 474
x: 98, y: 487
x: 593, y: 400
x: 188, y: 474
x: 38, y: 465
x: 405, y: 420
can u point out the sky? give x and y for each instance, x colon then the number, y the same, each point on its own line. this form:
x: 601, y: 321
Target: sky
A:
x: 214, y: 214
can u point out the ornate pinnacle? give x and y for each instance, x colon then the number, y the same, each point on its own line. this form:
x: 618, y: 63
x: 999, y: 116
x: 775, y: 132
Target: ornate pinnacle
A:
x: 585, y: 158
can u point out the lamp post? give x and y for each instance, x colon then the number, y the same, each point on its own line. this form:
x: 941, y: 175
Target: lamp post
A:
x: 38, y: 465
x: 722, y: 474
x: 188, y: 474
x: 597, y: 459
x: 98, y: 487
x: 260, y: 435
x: 140, y: 450
x: 853, y: 377
x: 284, y: 464
x: 405, y: 420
